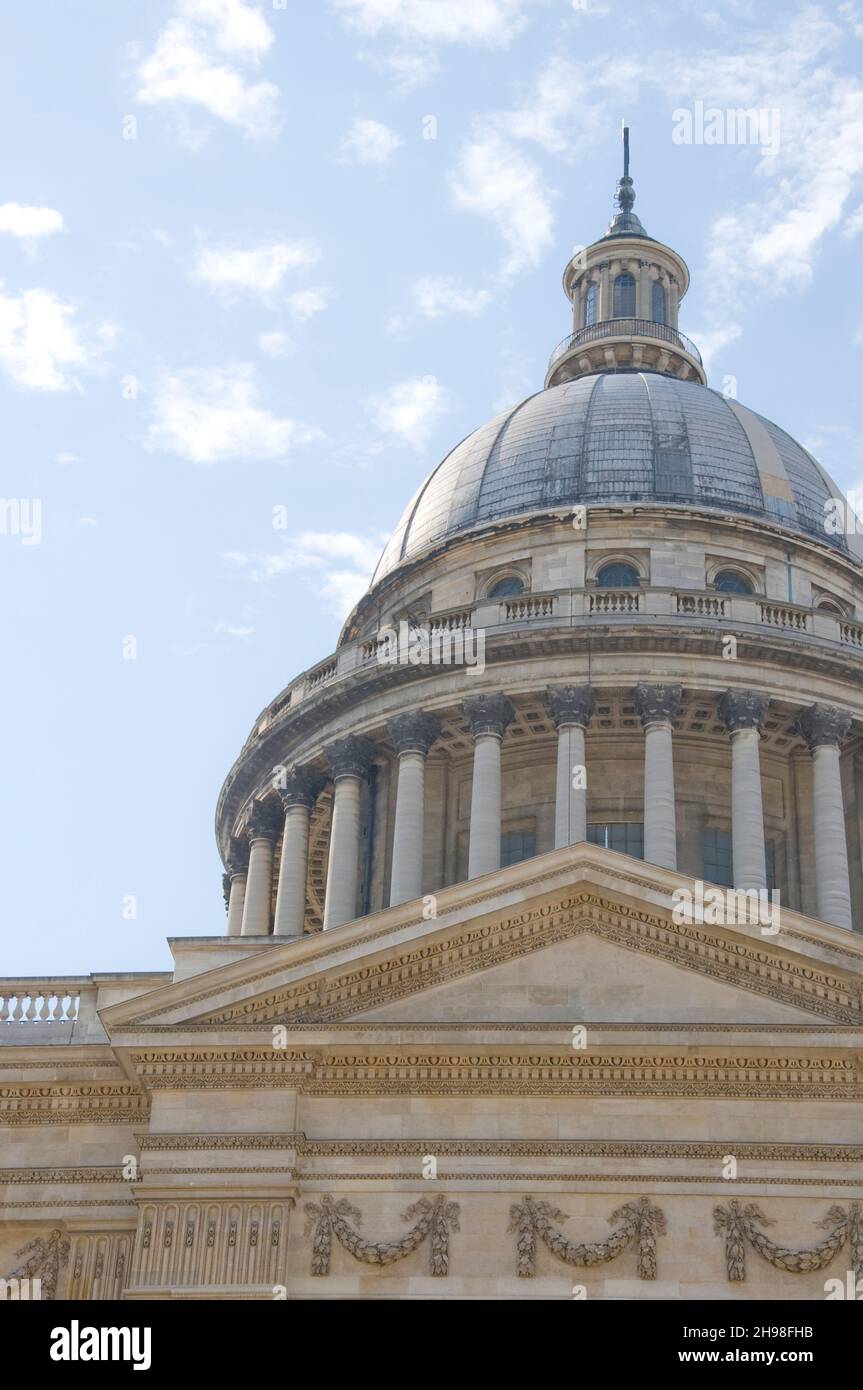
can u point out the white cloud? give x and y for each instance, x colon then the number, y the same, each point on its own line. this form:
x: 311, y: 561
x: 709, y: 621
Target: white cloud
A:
x: 42, y: 347
x: 304, y: 304
x: 438, y: 21
x: 199, y: 61
x: 407, y: 69
x: 339, y: 564
x: 209, y: 414
x: 65, y: 459
x: 86, y: 521
x: 495, y: 180
x: 370, y: 142
x: 275, y: 344
x: 28, y: 223
x: 231, y: 271
x: 853, y: 224
x: 437, y: 295
x: 409, y: 409
x: 230, y: 630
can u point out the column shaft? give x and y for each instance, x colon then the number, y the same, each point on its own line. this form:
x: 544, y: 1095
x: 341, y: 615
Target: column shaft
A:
x: 408, y: 834
x: 747, y: 813
x: 660, y: 820
x: 235, y: 904
x: 832, y: 883
x: 291, y: 894
x: 259, y: 888
x: 343, y: 867
x: 484, y: 853
x: 570, y: 807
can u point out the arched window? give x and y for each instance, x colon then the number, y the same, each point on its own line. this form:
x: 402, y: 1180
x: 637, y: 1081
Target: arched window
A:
x: 624, y: 297
x: 657, y: 311
x: 617, y: 575
x: 829, y: 605
x: 590, y: 305
x: 730, y: 582
x: 507, y: 587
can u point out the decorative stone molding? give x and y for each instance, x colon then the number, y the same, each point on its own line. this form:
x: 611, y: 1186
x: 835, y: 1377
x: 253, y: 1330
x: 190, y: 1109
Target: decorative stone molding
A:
x: 237, y: 861
x: 303, y: 786
x: 640, y: 1223
x: 77, y: 1103
x: 751, y: 965
x: 329, y: 1218
x: 100, y: 1265
x: 414, y: 732
x: 743, y: 709
x: 350, y: 756
x: 263, y: 822
x: 739, y: 1224
x: 210, y: 1242
x: 657, y: 704
x: 823, y: 725
x: 46, y: 1256
x: 570, y: 704
x: 488, y: 714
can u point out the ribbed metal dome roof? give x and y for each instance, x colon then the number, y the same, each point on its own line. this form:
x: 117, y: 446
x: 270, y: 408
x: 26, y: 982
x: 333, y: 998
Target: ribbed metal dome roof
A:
x: 617, y: 437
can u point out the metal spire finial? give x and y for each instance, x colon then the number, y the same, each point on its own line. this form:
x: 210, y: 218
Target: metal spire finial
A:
x: 625, y: 221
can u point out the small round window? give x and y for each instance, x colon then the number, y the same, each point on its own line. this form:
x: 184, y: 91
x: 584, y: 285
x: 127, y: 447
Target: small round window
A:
x: 730, y: 582
x: 617, y: 575
x: 506, y: 588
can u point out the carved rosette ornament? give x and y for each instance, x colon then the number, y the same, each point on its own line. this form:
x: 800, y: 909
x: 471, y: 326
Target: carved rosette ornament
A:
x: 824, y: 725
x: 329, y: 1218
x: 658, y: 704
x: 302, y: 787
x: 414, y: 732
x: 740, y: 1225
x: 570, y: 704
x: 488, y: 714
x: 743, y: 709
x: 640, y: 1223
x: 350, y: 756
x: 46, y: 1257
x: 263, y: 822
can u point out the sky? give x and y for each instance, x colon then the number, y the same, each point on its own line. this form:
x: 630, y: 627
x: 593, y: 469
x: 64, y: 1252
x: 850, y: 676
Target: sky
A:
x: 261, y: 266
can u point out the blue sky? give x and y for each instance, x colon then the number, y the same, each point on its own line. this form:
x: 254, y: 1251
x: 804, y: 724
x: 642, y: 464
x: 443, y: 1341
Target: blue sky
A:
x: 282, y: 256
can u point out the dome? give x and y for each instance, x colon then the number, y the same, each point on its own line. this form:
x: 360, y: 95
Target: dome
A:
x: 617, y: 437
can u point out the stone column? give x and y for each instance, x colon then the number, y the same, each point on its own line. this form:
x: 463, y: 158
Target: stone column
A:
x: 299, y: 794
x: 743, y: 713
x: 658, y: 707
x: 487, y: 716
x: 604, y: 306
x: 234, y: 888
x: 350, y: 759
x: 824, y: 728
x: 262, y: 832
x: 571, y: 707
x: 644, y: 292
x: 413, y: 735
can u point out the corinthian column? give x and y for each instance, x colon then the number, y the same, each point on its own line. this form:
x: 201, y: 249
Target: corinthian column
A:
x: 234, y: 887
x: 413, y: 735
x: 487, y: 716
x: 571, y: 707
x: 302, y: 785
x: 658, y: 707
x: 743, y: 713
x: 824, y: 728
x: 262, y: 832
x: 350, y: 759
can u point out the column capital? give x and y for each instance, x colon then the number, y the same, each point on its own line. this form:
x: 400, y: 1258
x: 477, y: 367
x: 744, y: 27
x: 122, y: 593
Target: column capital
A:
x: 743, y: 709
x: 488, y: 714
x: 823, y: 725
x: 226, y: 888
x: 237, y: 861
x: 302, y: 787
x: 414, y: 732
x: 350, y: 756
x: 263, y: 822
x: 570, y: 704
x: 658, y: 703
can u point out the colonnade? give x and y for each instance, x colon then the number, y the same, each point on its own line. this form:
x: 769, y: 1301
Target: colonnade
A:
x: 248, y: 880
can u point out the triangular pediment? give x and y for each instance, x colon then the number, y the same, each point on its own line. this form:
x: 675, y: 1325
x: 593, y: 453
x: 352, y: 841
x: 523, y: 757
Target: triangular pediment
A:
x: 582, y: 933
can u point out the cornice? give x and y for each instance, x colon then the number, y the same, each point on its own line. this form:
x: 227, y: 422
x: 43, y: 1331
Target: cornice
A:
x: 72, y: 1103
